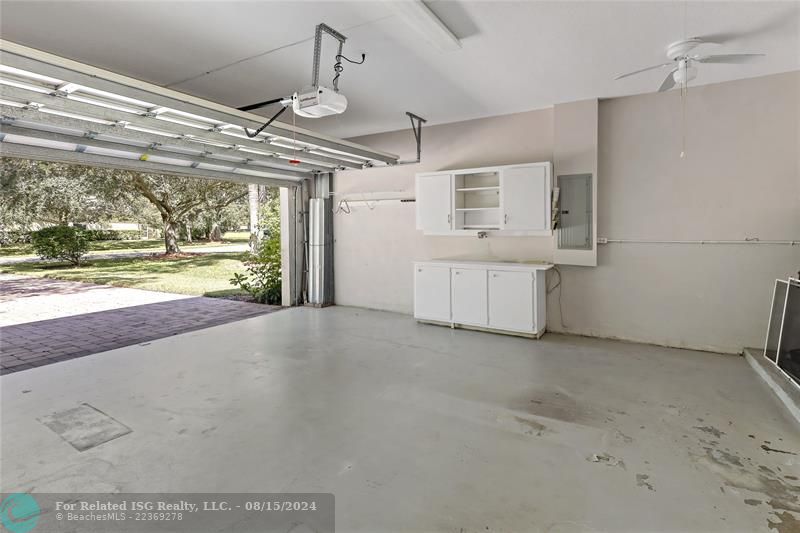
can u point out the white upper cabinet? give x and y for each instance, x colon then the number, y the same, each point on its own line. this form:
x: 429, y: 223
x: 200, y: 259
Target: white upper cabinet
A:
x: 525, y: 197
x: 434, y: 203
x: 510, y: 199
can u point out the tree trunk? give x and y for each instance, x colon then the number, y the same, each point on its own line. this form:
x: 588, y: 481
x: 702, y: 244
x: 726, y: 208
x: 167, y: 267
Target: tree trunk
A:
x: 170, y: 236
x: 252, y: 200
x: 188, y: 232
x: 216, y: 233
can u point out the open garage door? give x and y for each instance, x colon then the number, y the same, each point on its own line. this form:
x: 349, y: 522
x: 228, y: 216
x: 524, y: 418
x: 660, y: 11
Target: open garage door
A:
x: 57, y: 109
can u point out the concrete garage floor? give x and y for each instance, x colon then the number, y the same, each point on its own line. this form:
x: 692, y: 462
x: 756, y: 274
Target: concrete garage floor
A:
x: 421, y: 428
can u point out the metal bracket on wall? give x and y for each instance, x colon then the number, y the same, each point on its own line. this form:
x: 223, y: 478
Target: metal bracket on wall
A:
x: 416, y: 127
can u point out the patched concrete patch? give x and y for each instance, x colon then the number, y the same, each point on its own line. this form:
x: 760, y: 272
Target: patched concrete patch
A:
x: 85, y: 427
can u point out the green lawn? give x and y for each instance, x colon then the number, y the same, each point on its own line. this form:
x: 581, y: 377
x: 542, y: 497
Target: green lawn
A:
x: 199, y: 275
x: 149, y: 245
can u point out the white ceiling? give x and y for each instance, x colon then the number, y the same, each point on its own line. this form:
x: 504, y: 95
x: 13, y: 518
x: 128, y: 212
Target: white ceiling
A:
x: 515, y: 56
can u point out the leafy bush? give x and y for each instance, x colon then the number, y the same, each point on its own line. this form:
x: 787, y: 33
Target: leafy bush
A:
x: 60, y: 242
x: 263, y: 277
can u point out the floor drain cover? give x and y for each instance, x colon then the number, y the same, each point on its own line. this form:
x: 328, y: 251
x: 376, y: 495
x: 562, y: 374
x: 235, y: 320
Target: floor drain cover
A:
x: 85, y: 427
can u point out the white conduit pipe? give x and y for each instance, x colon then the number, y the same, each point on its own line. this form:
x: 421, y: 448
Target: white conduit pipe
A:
x: 754, y: 240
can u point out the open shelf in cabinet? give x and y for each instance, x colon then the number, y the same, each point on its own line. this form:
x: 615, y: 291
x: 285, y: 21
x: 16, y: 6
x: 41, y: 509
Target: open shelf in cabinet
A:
x: 476, y: 200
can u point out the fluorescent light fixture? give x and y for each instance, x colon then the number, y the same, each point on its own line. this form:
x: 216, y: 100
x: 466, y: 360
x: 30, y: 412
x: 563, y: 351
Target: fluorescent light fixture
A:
x: 419, y: 16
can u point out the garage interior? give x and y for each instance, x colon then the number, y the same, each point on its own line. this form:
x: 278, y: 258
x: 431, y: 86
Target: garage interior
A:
x: 522, y: 295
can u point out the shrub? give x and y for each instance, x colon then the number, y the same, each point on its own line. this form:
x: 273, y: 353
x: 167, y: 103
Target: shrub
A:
x: 60, y: 242
x: 263, y: 277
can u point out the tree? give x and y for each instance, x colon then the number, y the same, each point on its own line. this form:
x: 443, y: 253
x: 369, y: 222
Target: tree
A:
x: 176, y: 198
x: 270, y: 211
x: 252, y: 202
x: 34, y: 193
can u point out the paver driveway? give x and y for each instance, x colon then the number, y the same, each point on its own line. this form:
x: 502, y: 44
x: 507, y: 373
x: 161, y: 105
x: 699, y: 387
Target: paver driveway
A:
x: 45, y: 321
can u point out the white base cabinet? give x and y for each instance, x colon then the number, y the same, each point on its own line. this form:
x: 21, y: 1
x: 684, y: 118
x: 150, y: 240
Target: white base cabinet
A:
x: 489, y: 295
x: 469, y: 296
x: 432, y: 292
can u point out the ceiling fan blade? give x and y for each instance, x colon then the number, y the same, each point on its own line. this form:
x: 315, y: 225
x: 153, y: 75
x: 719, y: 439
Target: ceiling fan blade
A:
x: 718, y: 38
x: 643, y: 70
x: 669, y: 82
x: 728, y: 58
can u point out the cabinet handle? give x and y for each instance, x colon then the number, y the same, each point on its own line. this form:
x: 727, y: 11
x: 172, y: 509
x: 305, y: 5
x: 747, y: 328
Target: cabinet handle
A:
x: 494, y: 275
x: 448, y: 218
x: 505, y: 219
x: 457, y: 273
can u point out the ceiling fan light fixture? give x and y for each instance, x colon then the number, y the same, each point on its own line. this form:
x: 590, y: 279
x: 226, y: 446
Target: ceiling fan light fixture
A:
x: 685, y: 73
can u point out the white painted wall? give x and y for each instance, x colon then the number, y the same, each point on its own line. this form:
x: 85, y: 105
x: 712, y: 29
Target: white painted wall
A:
x: 374, y: 248
x: 740, y: 178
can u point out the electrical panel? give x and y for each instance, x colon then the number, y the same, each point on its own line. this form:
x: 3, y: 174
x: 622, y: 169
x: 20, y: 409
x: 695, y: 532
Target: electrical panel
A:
x: 575, y: 212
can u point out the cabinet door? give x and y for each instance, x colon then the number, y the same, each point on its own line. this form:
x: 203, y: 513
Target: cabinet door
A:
x: 432, y: 292
x: 434, y: 195
x: 469, y: 296
x: 525, y: 198
x: 511, y: 300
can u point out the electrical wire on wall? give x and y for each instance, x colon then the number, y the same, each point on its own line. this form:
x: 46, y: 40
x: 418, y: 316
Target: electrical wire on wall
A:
x: 338, y: 67
x: 558, y: 286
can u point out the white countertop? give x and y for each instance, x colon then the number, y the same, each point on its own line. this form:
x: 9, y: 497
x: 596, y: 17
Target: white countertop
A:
x: 489, y: 262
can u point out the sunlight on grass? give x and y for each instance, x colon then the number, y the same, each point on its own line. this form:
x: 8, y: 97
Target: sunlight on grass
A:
x: 147, y: 245
x: 196, y: 275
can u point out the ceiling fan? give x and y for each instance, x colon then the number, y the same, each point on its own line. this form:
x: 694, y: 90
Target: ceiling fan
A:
x: 683, y: 62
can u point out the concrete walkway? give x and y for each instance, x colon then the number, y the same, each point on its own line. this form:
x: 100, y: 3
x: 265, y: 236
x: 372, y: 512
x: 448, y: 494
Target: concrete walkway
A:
x: 27, y: 299
x: 45, y: 321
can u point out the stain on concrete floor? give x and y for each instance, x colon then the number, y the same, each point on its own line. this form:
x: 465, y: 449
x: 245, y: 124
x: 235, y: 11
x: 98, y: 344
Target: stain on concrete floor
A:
x: 641, y: 481
x: 606, y: 459
x: 85, y: 427
x: 743, y: 474
x: 786, y: 523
